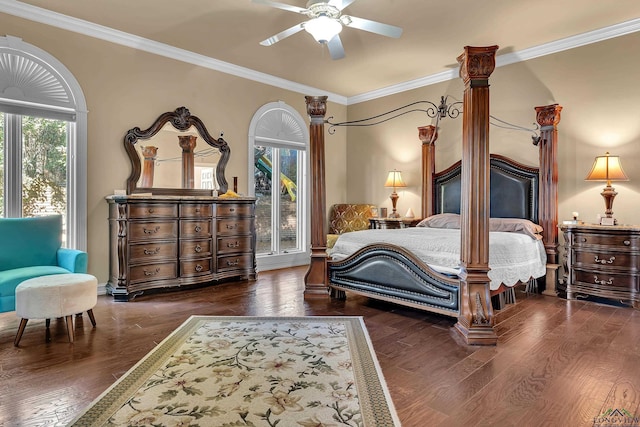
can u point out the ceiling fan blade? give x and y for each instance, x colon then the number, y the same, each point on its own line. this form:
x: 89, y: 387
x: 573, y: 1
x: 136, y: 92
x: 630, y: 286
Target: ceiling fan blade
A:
x: 335, y: 47
x: 282, y: 35
x: 340, y: 4
x: 372, y: 26
x: 283, y: 6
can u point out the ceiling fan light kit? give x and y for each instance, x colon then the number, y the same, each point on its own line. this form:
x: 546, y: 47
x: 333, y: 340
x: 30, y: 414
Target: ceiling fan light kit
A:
x: 323, y: 28
x: 326, y: 23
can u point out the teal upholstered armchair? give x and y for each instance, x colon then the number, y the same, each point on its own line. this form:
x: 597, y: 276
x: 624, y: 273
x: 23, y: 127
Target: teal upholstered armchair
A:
x: 30, y: 247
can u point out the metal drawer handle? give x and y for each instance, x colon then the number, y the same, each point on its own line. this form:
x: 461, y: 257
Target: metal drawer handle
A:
x: 198, y: 248
x: 151, y: 273
x: 150, y: 210
x: 198, y: 228
x: 627, y: 242
x: 199, y: 268
x: 232, y: 226
x: 584, y: 239
x: 151, y: 231
x: 233, y: 245
x: 151, y: 252
x: 233, y: 263
x: 602, y: 282
x: 232, y: 209
x: 197, y: 210
x: 604, y: 261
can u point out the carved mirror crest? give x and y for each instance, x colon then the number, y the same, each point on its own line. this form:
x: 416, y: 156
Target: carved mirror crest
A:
x: 176, y: 155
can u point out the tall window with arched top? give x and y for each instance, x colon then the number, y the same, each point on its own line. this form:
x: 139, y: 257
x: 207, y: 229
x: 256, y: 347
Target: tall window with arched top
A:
x: 43, y: 138
x: 278, y: 142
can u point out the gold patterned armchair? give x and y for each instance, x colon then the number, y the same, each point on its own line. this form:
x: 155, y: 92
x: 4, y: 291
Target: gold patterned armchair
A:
x: 344, y: 217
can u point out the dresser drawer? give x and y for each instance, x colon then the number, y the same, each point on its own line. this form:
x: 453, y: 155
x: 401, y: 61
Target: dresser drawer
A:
x: 155, y: 230
x: 149, y: 252
x: 613, y: 241
x: 227, y: 245
x: 600, y: 259
x: 605, y: 280
x: 195, y: 267
x: 195, y: 248
x: 196, y: 210
x: 234, y: 209
x: 156, y: 271
x: 190, y: 229
x: 235, y: 262
x: 233, y: 226
x: 153, y: 210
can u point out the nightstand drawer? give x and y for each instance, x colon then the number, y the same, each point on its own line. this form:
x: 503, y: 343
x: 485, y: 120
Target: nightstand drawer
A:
x: 600, y: 259
x: 612, y: 241
x: 605, y: 280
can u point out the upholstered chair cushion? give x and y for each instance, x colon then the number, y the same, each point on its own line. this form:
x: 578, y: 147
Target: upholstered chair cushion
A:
x: 345, y: 217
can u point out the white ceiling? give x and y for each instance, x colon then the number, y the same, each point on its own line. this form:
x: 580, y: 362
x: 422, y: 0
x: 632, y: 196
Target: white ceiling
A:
x: 434, y: 34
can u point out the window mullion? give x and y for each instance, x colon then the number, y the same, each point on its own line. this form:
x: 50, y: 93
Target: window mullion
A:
x: 13, y: 166
x: 275, y: 200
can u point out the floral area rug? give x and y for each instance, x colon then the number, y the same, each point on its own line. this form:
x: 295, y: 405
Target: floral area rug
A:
x: 252, y: 371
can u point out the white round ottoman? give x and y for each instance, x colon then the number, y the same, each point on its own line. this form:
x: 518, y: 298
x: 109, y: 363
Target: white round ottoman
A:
x: 54, y: 296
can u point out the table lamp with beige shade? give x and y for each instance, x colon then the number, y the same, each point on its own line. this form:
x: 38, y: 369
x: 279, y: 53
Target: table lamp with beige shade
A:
x: 607, y: 168
x: 394, y: 180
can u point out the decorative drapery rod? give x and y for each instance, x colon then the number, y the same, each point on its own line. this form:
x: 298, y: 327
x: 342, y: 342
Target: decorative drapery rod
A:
x: 438, y: 112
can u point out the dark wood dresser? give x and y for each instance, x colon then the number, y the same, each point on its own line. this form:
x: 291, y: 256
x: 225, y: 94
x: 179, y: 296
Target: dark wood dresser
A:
x: 602, y: 261
x: 172, y: 241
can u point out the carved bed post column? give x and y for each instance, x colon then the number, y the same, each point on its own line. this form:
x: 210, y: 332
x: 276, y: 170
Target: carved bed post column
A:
x: 428, y: 135
x: 476, y: 319
x: 315, y: 281
x: 188, y: 144
x: 548, y: 117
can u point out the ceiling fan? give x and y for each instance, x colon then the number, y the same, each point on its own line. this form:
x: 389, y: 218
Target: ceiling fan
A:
x: 326, y: 22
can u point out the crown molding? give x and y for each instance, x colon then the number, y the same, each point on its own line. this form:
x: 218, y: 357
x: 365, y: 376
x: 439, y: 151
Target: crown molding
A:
x: 44, y: 16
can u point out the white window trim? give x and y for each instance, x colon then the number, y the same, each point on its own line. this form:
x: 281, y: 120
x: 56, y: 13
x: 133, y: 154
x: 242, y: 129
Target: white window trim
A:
x: 272, y: 262
x: 72, y: 105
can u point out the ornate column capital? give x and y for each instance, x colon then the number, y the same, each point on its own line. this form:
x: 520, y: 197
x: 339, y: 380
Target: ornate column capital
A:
x: 316, y: 107
x: 548, y: 115
x: 477, y: 63
x: 427, y: 134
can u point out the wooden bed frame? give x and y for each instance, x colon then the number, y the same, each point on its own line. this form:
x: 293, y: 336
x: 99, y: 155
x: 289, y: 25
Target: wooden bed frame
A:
x: 467, y: 297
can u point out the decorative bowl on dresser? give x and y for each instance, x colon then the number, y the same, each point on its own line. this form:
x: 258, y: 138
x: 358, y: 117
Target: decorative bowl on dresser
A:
x: 602, y: 261
x: 170, y: 229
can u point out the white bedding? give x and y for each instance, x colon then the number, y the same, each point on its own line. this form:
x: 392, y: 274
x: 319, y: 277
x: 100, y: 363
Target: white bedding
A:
x: 513, y: 257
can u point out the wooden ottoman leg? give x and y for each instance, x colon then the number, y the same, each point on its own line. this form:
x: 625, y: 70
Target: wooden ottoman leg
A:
x: 69, y: 320
x: 47, y: 323
x: 92, y: 317
x: 23, y: 324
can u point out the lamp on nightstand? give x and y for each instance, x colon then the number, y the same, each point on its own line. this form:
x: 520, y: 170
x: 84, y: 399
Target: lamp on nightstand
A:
x: 394, y: 179
x: 607, y: 168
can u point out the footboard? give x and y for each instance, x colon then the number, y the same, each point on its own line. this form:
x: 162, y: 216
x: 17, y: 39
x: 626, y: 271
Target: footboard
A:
x: 391, y: 273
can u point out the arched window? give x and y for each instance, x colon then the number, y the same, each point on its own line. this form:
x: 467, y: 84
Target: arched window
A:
x: 43, y: 140
x: 278, y: 152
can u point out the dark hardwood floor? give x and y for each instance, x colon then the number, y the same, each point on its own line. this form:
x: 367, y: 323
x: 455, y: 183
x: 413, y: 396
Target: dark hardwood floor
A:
x: 557, y: 362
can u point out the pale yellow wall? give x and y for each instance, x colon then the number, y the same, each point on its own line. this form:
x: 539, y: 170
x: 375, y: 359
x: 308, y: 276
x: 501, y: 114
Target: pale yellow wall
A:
x: 598, y: 89
x: 124, y: 88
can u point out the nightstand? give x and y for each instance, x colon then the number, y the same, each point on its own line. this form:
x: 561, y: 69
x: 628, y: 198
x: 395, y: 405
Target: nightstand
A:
x: 602, y: 261
x: 392, y: 223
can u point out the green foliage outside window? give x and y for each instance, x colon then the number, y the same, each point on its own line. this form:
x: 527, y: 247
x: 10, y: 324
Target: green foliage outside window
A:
x: 44, y: 163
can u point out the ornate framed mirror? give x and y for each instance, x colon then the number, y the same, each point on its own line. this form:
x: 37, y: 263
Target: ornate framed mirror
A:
x: 176, y: 155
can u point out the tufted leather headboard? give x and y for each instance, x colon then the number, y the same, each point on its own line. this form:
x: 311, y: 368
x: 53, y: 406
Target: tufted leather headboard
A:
x: 514, y: 189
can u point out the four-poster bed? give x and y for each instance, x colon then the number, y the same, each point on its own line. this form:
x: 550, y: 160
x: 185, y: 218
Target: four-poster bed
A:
x: 392, y: 273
